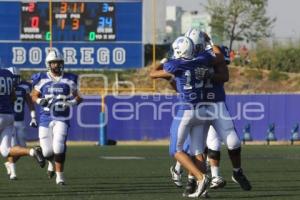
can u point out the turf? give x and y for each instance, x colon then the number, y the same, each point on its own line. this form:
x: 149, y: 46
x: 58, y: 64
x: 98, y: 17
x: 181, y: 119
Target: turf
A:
x: 273, y: 170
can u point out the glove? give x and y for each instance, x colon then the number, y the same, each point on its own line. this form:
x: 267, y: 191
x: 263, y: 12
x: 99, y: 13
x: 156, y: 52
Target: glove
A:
x: 42, y: 102
x: 33, y: 123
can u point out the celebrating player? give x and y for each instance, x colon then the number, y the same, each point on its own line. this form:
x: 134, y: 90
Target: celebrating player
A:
x: 225, y: 130
x: 7, y: 98
x: 22, y: 91
x: 55, y: 92
x: 190, y: 118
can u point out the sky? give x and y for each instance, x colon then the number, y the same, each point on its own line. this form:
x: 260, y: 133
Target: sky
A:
x: 287, y: 13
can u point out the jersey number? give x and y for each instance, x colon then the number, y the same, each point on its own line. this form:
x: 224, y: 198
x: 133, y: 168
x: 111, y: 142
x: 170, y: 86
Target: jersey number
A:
x: 203, y: 83
x: 6, y: 85
x: 18, y: 105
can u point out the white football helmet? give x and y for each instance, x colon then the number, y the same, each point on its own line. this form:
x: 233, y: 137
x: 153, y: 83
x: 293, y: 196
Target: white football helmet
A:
x: 55, y: 56
x: 199, y: 39
x: 183, y: 47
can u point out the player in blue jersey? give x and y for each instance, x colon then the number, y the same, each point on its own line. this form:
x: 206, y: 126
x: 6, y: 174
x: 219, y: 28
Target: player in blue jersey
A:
x: 7, y: 98
x: 222, y: 123
x: 191, y: 116
x: 55, y: 92
x: 22, y: 91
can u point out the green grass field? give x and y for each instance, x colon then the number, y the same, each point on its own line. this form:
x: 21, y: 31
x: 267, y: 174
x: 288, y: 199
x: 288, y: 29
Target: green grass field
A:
x: 273, y: 170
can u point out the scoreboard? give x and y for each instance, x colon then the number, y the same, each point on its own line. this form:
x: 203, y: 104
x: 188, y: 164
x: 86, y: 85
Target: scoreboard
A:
x: 90, y: 34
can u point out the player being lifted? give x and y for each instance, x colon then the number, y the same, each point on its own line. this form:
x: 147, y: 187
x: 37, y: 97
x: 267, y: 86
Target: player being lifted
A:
x: 7, y: 98
x: 55, y: 92
x: 22, y: 91
x: 191, y: 116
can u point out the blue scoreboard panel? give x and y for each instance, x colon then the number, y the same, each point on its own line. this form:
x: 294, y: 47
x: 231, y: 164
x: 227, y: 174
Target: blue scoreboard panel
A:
x: 90, y: 34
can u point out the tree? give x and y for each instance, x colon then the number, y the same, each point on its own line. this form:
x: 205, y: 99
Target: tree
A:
x: 238, y: 20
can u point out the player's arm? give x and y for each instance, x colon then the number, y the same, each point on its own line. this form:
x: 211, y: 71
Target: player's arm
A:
x: 221, y: 74
x: 33, y: 122
x: 36, y: 98
x: 158, y: 72
x: 76, y: 100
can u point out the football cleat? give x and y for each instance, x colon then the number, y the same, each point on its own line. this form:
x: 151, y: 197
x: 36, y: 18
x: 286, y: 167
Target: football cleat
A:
x: 13, y: 177
x: 190, y: 187
x: 38, y: 155
x: 201, y: 187
x: 50, y: 174
x: 61, y: 183
x: 239, y: 178
x: 176, y: 176
x: 217, y: 182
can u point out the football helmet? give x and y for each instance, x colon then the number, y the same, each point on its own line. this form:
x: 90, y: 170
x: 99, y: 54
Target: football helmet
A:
x: 55, y: 56
x: 199, y: 39
x: 17, y: 75
x: 183, y: 47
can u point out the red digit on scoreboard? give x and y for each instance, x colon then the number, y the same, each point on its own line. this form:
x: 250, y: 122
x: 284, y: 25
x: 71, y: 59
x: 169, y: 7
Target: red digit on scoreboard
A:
x: 35, y: 22
x: 31, y: 7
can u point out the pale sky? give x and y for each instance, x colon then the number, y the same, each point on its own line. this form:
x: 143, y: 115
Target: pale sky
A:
x: 286, y: 12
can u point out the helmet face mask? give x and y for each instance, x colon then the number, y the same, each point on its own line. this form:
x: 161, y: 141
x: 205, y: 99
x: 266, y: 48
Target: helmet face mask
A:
x: 55, y: 63
x: 199, y: 39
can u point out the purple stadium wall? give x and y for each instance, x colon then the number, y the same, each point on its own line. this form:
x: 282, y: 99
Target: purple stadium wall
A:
x: 149, y: 117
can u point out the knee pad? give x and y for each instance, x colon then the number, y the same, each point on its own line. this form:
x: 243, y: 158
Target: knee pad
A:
x: 215, y: 155
x: 235, y: 152
x: 60, y: 158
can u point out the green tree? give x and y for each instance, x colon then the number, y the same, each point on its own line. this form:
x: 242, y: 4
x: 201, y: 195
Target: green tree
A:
x: 238, y: 20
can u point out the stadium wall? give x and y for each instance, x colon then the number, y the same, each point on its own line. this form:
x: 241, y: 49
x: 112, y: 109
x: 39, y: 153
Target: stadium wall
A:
x: 148, y: 117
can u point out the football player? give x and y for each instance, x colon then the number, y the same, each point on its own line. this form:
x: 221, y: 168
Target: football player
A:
x: 7, y: 98
x: 222, y: 123
x: 55, y: 92
x: 189, y: 120
x: 22, y: 91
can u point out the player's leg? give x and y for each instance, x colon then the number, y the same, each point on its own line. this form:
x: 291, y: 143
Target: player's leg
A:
x: 16, y: 151
x: 46, y: 142
x: 18, y: 139
x: 214, y: 154
x: 225, y: 128
x: 59, y: 148
x: 177, y: 171
x: 179, y: 131
x: 197, y: 146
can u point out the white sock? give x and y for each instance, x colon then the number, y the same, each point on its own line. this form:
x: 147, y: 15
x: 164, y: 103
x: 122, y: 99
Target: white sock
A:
x: 191, y: 177
x: 59, y: 177
x: 50, y: 166
x: 12, y: 167
x: 31, y: 152
x: 215, y: 171
x: 7, y: 166
x: 178, y: 167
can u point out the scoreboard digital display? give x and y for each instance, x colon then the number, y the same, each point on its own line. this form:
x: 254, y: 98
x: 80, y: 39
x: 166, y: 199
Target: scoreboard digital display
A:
x: 71, y: 21
x: 91, y: 34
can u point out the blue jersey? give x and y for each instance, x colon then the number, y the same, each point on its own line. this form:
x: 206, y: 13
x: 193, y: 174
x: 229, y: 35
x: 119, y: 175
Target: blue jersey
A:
x: 6, y: 89
x: 186, y: 72
x: 56, y: 92
x: 215, y: 92
x: 22, y: 90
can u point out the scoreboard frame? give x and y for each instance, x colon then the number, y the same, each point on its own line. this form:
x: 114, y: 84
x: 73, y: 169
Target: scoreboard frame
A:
x: 125, y: 51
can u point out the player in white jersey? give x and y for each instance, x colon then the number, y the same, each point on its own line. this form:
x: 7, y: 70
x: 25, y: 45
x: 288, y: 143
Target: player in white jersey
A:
x: 22, y: 91
x: 55, y: 92
x: 7, y: 97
